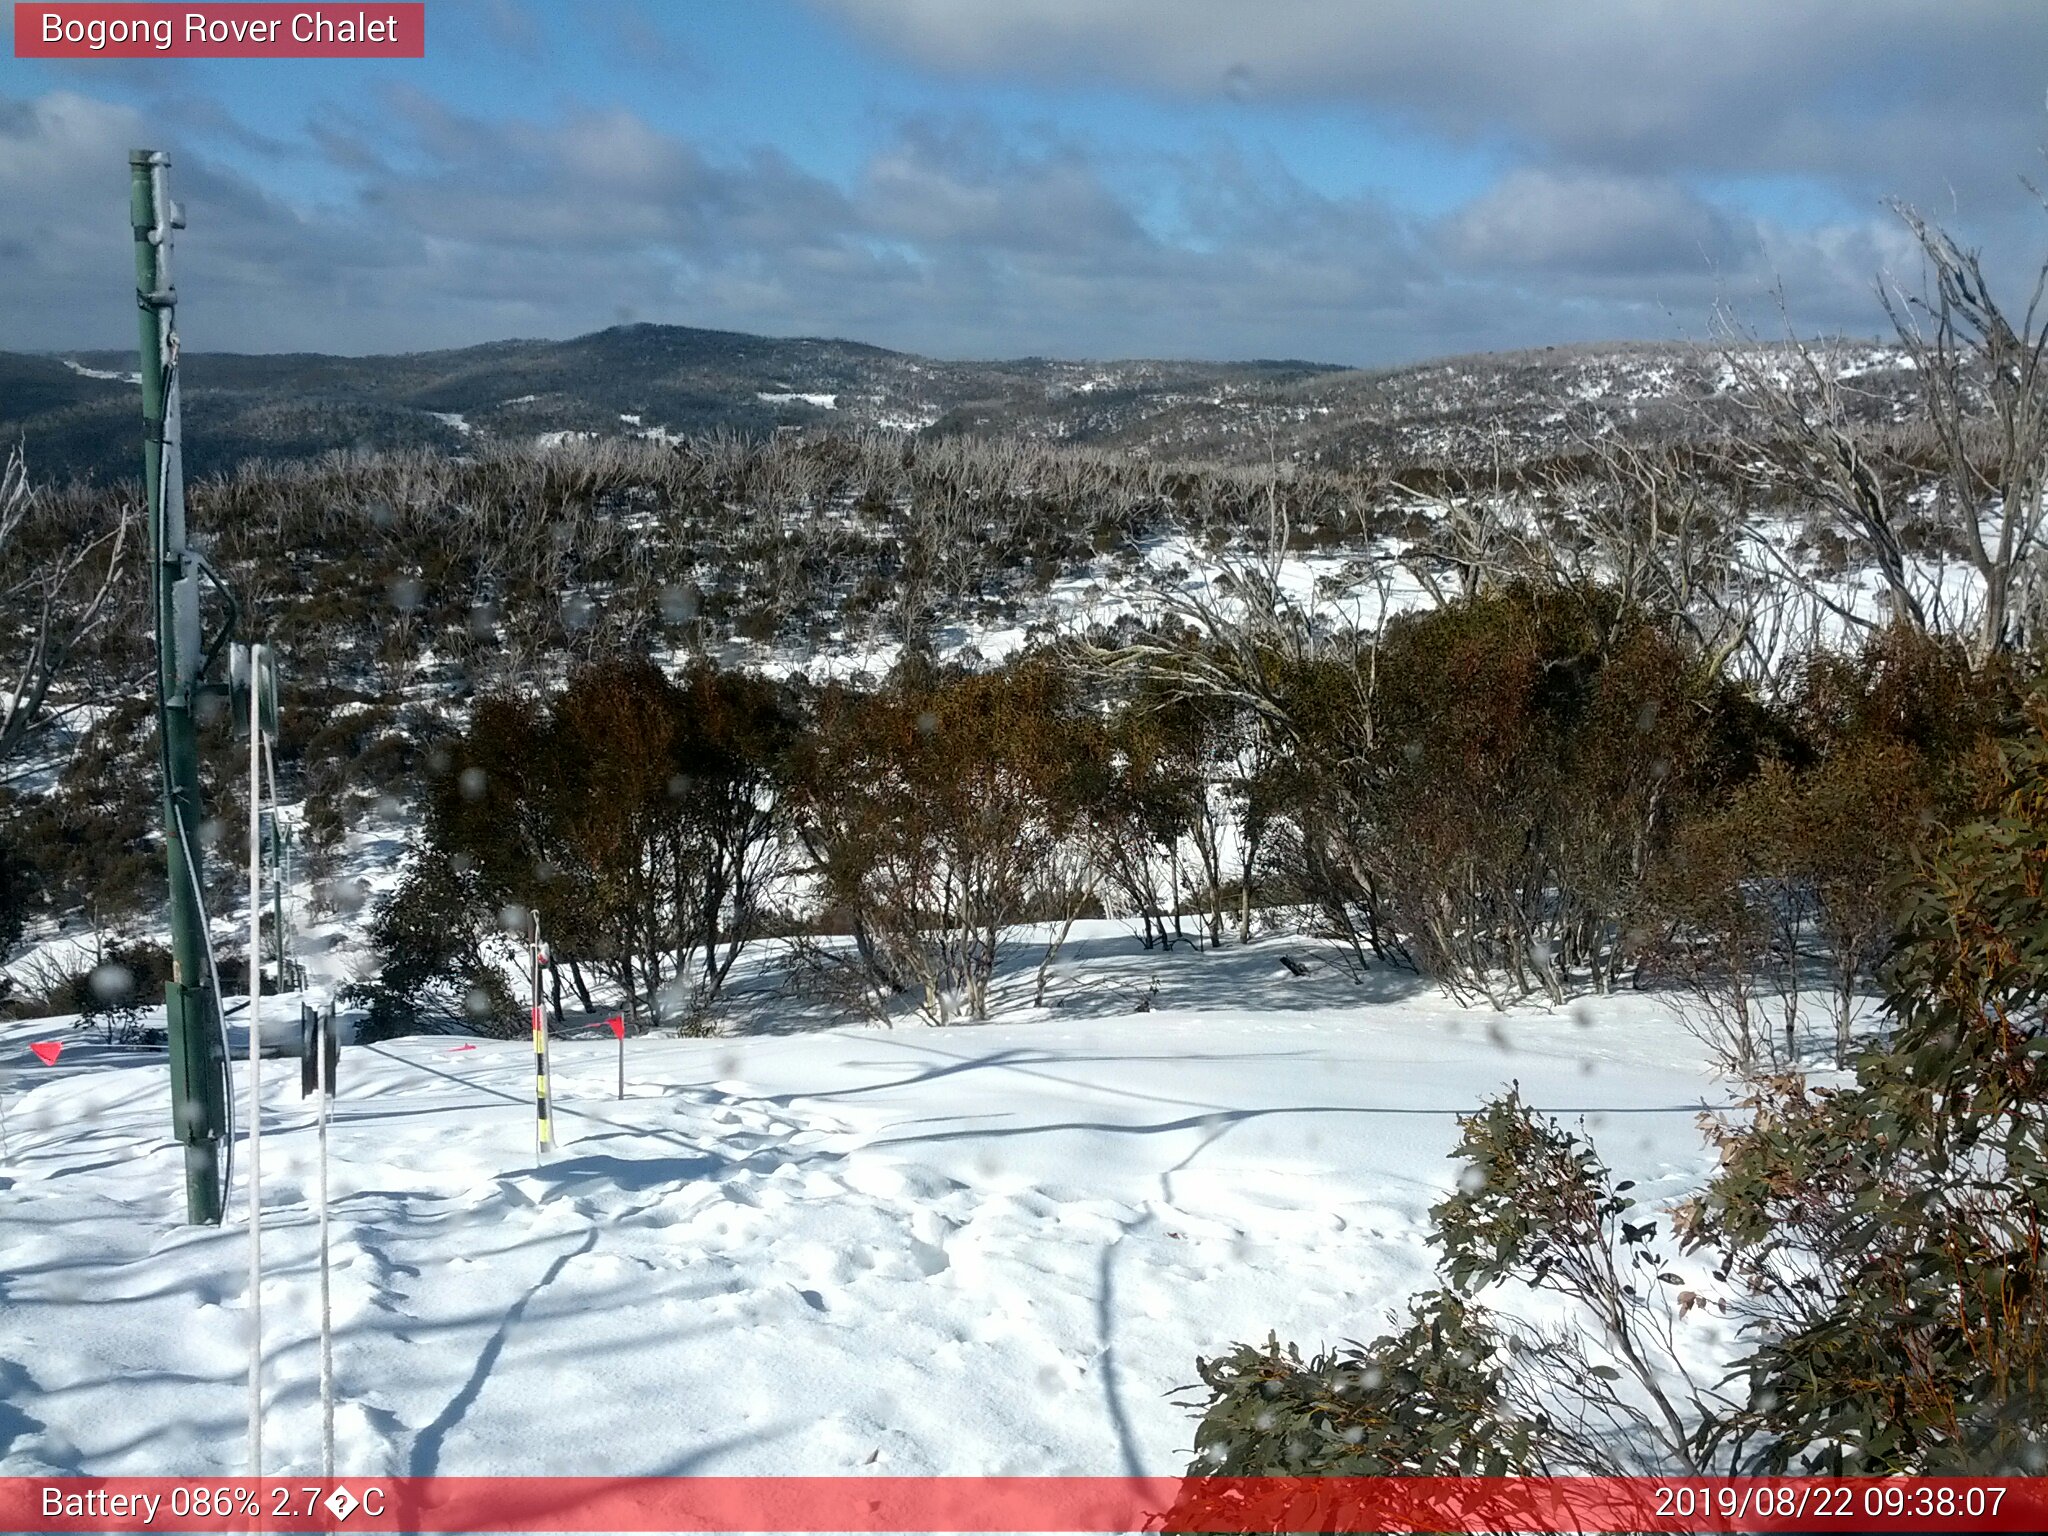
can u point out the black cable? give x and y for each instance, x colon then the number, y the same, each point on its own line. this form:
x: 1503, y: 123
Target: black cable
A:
x: 185, y: 843
x: 227, y: 1079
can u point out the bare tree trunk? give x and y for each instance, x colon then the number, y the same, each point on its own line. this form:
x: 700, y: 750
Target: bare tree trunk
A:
x: 54, y: 618
x: 1244, y: 893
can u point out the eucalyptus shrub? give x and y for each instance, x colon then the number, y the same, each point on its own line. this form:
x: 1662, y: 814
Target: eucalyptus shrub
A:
x: 1889, y: 1233
x: 1426, y: 1400
x: 1881, y: 1243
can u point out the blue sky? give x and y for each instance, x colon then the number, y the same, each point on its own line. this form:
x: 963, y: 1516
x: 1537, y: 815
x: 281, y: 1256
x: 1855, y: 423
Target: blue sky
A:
x: 1224, y: 178
x: 793, y: 76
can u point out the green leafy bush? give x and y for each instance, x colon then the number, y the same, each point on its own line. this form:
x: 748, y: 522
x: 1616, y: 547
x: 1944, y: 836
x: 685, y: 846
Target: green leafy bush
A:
x: 1890, y: 1234
x: 1881, y: 1242
x: 1464, y: 1389
x: 441, y: 960
x: 1487, y: 793
x: 635, y: 814
x: 16, y: 894
x: 1426, y: 1400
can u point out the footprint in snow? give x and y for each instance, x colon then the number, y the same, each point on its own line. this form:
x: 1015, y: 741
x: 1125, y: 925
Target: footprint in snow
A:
x: 930, y: 1258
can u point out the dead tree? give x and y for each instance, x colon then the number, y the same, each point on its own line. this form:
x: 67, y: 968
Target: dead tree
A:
x: 56, y: 593
x: 1807, y: 438
x: 1986, y: 398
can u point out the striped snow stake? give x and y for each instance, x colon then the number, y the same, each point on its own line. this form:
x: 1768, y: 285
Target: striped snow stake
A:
x: 543, y: 1134
x: 542, y: 1139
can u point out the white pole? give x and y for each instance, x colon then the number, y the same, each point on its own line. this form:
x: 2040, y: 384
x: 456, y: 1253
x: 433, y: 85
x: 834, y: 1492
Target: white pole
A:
x: 280, y: 877
x: 255, y: 1065
x: 326, y: 1308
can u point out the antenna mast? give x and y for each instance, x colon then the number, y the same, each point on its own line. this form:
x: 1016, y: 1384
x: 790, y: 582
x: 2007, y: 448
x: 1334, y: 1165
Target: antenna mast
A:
x: 198, y: 1047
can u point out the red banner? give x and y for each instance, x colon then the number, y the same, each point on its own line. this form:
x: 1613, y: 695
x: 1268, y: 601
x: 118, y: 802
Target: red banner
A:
x: 977, y: 1504
x: 212, y: 30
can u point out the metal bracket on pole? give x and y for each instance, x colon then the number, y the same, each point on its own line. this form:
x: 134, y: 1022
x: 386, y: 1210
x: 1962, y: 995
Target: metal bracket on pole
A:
x: 185, y: 632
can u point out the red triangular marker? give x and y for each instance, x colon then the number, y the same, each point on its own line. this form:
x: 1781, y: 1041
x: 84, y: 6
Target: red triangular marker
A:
x: 617, y: 1025
x: 462, y: 1048
x: 48, y: 1051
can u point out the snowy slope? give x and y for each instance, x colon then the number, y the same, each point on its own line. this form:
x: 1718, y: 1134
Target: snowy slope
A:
x: 988, y: 1249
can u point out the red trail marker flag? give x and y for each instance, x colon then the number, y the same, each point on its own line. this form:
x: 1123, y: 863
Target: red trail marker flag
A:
x: 47, y: 1051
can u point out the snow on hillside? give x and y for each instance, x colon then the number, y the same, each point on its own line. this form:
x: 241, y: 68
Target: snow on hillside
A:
x: 989, y: 1249
x: 100, y: 373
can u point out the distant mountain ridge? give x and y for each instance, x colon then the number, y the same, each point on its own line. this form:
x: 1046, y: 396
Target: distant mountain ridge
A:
x: 78, y: 414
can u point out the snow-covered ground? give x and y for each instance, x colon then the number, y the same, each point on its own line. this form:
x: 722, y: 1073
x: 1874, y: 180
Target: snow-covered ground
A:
x: 983, y: 1249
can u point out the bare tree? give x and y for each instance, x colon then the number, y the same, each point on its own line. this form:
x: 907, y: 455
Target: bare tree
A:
x: 1666, y: 538
x: 1236, y: 638
x: 57, y: 590
x: 1812, y: 443
x: 1480, y: 537
x: 1986, y: 397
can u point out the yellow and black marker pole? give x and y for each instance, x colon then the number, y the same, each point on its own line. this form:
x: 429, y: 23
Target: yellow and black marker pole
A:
x: 543, y: 1137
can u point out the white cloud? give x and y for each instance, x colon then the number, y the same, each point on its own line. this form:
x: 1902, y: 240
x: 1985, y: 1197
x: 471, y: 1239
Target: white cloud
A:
x: 1599, y: 225
x: 1918, y: 95
x: 954, y: 238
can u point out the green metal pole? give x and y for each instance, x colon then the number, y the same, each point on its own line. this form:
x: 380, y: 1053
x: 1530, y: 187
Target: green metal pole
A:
x: 191, y: 1009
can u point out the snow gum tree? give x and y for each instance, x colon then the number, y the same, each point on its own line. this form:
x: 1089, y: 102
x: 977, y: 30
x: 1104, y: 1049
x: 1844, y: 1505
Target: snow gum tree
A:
x: 1494, y: 794
x: 943, y: 812
x: 638, y: 816
x: 1794, y: 871
x: 1980, y: 360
